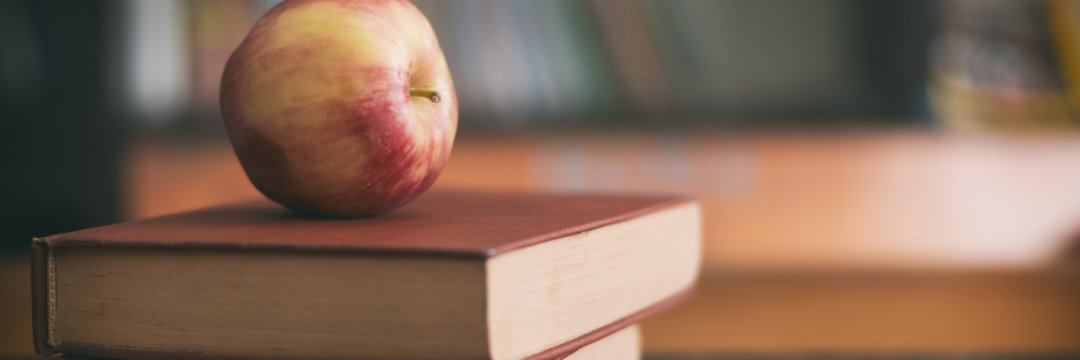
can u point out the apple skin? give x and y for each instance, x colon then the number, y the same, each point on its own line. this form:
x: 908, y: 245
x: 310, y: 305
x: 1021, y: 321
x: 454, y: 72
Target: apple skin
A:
x: 340, y: 108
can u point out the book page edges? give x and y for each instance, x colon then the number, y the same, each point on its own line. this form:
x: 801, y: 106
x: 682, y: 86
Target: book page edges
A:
x: 683, y: 245
x: 568, y: 348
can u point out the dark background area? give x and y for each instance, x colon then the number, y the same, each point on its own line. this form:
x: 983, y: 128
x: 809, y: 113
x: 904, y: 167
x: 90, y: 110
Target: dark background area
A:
x: 63, y: 139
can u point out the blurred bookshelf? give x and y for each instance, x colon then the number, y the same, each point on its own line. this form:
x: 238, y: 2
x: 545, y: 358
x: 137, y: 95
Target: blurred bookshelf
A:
x: 676, y: 65
x: 551, y: 65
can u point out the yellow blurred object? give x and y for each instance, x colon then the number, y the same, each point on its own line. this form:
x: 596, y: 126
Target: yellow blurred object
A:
x: 994, y: 66
x: 967, y: 108
x: 1064, y: 18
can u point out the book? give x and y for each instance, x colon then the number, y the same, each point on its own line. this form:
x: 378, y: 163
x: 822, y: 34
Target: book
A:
x: 456, y: 274
x: 624, y: 344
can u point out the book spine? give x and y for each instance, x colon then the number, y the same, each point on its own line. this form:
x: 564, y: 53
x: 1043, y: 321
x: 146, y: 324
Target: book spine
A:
x: 41, y: 276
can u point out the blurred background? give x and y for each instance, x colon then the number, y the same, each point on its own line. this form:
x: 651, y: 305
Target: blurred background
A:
x: 876, y: 175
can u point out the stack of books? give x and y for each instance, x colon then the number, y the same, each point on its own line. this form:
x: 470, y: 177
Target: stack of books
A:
x: 454, y: 275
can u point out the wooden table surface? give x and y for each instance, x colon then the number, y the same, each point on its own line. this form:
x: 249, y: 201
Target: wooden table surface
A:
x: 960, y: 312
x: 841, y: 201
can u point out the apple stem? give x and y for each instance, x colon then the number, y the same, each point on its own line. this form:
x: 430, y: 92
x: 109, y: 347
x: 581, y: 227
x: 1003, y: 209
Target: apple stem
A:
x: 429, y: 94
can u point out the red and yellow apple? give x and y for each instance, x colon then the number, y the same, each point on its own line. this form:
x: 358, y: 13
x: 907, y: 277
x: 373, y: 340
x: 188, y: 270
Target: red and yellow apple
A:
x: 340, y: 108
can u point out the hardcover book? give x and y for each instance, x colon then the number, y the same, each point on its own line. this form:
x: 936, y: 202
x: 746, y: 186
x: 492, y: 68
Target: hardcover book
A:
x: 453, y: 275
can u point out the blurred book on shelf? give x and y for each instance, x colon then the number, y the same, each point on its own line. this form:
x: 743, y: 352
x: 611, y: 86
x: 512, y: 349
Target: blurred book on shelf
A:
x: 1007, y: 65
x: 216, y: 29
x: 172, y: 54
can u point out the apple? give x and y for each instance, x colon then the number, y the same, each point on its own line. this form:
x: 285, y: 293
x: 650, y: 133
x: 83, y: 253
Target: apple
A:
x: 340, y: 108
